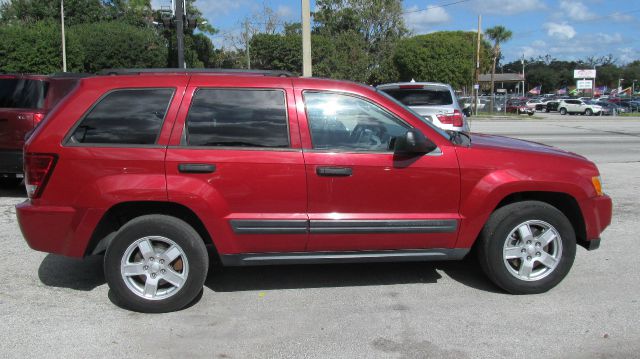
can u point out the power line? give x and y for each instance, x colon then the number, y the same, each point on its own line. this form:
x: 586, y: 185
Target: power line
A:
x: 435, y: 6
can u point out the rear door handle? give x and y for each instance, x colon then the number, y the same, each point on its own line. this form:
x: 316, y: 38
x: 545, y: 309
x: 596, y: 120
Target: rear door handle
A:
x: 196, y: 168
x: 334, y: 171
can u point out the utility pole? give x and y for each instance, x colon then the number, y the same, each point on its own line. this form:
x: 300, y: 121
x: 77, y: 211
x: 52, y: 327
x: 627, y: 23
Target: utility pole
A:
x: 477, y: 84
x: 522, y: 60
x: 64, y: 46
x: 246, y: 41
x: 180, y: 32
x: 306, y: 39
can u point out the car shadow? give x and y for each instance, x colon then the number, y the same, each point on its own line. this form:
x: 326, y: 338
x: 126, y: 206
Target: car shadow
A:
x: 12, y: 191
x: 87, y: 274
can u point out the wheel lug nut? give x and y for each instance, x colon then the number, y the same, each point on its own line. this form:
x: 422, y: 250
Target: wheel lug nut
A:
x: 528, y: 242
x: 145, y: 267
x: 151, y: 259
x: 529, y: 258
x: 162, y: 271
x: 537, y: 254
x: 162, y: 261
x: 153, y: 275
x: 538, y: 244
x: 523, y: 251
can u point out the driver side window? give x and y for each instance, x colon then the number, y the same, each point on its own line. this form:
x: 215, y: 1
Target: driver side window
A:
x: 343, y: 122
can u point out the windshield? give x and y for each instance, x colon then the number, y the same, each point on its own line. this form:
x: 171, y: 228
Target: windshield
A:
x: 415, y: 114
x: 22, y: 93
x: 427, y: 96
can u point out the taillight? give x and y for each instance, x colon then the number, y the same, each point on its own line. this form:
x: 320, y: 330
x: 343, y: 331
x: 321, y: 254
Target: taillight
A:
x: 454, y: 118
x: 37, y: 170
x: 37, y: 118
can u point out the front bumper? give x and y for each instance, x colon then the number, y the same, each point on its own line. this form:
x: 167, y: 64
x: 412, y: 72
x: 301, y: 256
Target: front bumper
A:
x: 597, y: 213
x: 11, y: 162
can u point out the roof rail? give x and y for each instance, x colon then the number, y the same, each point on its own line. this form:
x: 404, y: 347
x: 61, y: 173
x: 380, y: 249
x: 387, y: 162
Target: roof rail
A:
x: 69, y: 75
x: 276, y: 73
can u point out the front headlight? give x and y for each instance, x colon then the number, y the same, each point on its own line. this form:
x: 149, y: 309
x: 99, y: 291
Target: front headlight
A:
x: 597, y: 185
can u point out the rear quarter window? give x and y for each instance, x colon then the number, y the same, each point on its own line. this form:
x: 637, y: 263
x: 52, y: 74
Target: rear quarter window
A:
x: 124, y: 117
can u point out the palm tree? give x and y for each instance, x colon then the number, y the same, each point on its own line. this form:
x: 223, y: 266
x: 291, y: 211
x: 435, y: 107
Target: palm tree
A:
x: 497, y: 34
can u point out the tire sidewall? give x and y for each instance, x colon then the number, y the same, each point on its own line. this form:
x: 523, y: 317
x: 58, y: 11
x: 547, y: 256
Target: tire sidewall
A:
x: 516, y: 216
x: 157, y: 225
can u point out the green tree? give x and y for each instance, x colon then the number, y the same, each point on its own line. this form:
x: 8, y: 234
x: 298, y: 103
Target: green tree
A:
x: 36, y: 48
x: 446, y: 56
x: 117, y: 44
x: 374, y: 25
x: 497, y: 34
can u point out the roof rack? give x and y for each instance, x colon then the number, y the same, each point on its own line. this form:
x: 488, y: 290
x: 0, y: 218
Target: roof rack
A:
x: 276, y: 73
x: 69, y: 75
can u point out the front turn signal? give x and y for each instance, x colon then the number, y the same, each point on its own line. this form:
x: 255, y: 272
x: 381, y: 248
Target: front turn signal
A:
x: 597, y: 185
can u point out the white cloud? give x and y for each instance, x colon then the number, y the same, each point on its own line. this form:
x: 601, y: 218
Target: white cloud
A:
x: 284, y: 11
x: 575, y: 10
x: 618, y: 16
x: 627, y: 54
x: 607, y: 39
x: 561, y: 31
x: 421, y: 21
x: 508, y: 7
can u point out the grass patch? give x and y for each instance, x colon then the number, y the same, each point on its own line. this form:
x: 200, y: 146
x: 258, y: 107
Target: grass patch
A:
x: 505, y: 117
x: 633, y: 114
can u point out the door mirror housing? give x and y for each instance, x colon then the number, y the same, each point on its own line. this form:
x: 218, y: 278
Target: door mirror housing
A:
x: 412, y: 143
x: 467, y: 111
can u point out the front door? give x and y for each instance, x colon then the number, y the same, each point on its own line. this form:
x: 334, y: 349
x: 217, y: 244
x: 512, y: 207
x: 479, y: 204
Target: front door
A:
x: 361, y: 195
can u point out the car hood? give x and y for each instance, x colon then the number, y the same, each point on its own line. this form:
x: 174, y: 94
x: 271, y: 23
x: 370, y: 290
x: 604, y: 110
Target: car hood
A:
x: 508, y: 143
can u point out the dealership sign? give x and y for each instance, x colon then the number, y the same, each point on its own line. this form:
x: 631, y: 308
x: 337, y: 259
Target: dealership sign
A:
x: 585, y: 84
x: 584, y: 74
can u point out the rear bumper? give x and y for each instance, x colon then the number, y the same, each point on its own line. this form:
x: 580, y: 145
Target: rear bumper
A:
x: 597, y: 212
x: 57, y: 229
x: 10, y: 162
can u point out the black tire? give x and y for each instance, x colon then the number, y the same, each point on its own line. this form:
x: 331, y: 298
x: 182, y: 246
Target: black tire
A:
x: 182, y: 235
x: 530, y: 113
x: 496, y: 232
x: 547, y: 110
x: 563, y: 111
x: 588, y: 112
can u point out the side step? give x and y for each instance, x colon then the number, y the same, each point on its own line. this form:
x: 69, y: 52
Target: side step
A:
x: 414, y: 255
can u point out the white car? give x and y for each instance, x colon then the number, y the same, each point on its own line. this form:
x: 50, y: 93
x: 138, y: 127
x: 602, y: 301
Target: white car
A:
x: 436, y: 102
x: 532, y: 103
x: 577, y: 106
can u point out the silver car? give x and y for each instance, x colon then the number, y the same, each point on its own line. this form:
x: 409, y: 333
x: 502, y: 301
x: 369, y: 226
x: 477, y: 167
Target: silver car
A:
x: 434, y: 101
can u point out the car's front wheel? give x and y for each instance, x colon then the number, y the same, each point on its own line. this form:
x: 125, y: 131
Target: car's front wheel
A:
x: 527, y: 247
x: 156, y: 264
x: 588, y: 112
x: 563, y: 111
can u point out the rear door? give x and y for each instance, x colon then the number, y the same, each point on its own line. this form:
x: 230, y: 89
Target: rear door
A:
x: 236, y: 160
x: 361, y: 195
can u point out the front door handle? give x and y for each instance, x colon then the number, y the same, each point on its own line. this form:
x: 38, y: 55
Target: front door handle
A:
x: 196, y: 168
x: 334, y: 171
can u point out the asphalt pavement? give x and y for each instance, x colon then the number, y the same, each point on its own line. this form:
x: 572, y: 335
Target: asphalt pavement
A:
x: 52, y: 307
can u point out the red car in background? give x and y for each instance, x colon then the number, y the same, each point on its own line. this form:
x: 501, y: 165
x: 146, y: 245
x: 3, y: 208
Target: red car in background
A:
x: 24, y: 102
x: 519, y: 107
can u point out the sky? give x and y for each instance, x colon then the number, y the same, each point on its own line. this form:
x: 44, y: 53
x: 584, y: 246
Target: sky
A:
x: 564, y: 29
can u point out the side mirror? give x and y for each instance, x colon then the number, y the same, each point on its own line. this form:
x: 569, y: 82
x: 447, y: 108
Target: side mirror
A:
x: 412, y: 143
x: 466, y: 111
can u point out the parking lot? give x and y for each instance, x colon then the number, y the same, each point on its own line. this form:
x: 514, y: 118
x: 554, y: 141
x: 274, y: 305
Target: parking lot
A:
x: 51, y: 306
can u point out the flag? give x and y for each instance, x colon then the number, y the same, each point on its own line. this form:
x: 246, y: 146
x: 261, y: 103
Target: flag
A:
x: 535, y: 90
x: 601, y: 90
x: 626, y: 91
x: 573, y: 92
x: 562, y: 91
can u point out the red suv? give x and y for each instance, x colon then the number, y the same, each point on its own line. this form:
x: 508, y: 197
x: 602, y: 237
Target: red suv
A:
x: 151, y: 168
x: 24, y: 102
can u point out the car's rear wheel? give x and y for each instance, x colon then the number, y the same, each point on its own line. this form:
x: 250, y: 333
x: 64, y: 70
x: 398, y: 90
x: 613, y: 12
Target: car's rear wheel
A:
x: 588, y: 112
x: 156, y: 264
x: 563, y: 111
x: 527, y: 247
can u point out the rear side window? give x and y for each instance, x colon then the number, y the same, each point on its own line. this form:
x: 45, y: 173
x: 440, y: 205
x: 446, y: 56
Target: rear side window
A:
x: 428, y: 96
x: 237, y: 118
x: 22, y: 93
x: 131, y: 116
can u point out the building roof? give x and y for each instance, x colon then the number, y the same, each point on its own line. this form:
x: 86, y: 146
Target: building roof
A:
x: 502, y: 78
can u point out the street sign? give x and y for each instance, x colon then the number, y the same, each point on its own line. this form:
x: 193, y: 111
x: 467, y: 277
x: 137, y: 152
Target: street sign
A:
x: 585, y: 84
x: 584, y: 74
x: 476, y: 86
